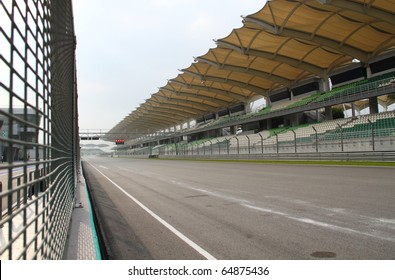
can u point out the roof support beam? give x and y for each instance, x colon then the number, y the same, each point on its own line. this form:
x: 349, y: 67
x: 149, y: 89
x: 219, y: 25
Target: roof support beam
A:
x: 276, y: 57
x: 363, y: 9
x: 152, y: 126
x: 257, y: 90
x: 157, y: 119
x: 232, y: 95
x: 186, y: 101
x: 150, y: 123
x: 168, y: 115
x: 179, y: 112
x: 181, y: 104
x: 178, y: 107
x: 197, y: 95
x: 319, y: 40
x: 144, y: 117
x: 265, y: 75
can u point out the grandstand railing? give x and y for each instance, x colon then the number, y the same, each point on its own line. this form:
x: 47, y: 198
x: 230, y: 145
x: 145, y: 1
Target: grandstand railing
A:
x: 364, y: 134
x: 38, y: 127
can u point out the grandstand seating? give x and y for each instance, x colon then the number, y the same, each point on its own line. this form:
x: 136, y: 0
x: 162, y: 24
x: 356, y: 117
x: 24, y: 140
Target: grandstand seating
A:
x: 356, y: 87
x: 327, y: 131
x: 304, y: 101
x: 337, y: 92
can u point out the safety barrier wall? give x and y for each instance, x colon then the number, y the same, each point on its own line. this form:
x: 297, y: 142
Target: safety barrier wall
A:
x: 38, y: 127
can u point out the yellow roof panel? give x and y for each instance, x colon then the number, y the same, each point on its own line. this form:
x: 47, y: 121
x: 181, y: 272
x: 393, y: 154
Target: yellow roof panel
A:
x: 277, y: 47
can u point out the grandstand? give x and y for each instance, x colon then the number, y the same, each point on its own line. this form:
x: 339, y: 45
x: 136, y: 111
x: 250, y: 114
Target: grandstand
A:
x: 355, y: 130
x: 348, y: 134
x: 301, y: 79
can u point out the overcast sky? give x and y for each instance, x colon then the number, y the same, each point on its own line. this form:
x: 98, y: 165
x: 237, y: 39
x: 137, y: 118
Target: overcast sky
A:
x: 126, y: 49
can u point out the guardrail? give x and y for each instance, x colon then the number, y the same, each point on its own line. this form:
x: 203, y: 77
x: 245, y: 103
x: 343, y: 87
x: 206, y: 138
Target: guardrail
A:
x: 38, y: 127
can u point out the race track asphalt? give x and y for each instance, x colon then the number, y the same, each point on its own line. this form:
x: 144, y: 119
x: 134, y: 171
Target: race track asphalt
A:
x: 167, y: 209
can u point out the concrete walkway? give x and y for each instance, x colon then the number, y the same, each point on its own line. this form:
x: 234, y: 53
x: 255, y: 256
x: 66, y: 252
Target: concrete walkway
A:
x: 83, y: 242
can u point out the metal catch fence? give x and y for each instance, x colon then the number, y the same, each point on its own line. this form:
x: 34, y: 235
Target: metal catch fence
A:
x: 343, y: 135
x: 38, y: 127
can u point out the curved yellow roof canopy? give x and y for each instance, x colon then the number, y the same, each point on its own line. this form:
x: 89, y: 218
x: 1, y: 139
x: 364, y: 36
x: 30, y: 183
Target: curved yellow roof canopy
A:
x: 281, y: 45
x: 359, y: 29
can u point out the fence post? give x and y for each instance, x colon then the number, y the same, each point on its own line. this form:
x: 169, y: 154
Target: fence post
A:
x: 372, y: 126
x: 238, y: 145
x: 219, y: 146
x: 277, y: 144
x: 294, y: 139
x: 211, y: 146
x: 316, y: 139
x: 261, y: 141
x: 227, y: 145
x: 249, y: 144
x: 341, y: 137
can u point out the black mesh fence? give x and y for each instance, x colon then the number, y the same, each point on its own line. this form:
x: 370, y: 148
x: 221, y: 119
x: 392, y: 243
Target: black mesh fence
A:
x: 38, y: 127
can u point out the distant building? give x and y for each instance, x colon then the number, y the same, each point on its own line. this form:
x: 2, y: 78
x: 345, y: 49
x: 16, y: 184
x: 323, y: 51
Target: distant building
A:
x: 25, y: 132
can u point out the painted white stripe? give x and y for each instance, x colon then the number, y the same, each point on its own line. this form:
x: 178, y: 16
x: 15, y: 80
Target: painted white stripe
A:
x: 250, y: 205
x: 196, y: 247
x: 318, y: 223
x: 103, y: 166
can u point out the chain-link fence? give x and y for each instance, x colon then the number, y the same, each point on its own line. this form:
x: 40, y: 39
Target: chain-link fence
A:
x: 38, y: 127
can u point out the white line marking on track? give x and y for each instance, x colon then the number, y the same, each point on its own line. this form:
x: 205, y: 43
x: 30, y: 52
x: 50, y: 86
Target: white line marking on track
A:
x: 250, y: 205
x: 197, y: 248
x: 103, y: 166
x: 318, y: 223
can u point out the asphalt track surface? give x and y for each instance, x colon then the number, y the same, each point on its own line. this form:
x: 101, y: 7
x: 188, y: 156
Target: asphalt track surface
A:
x: 166, y: 209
